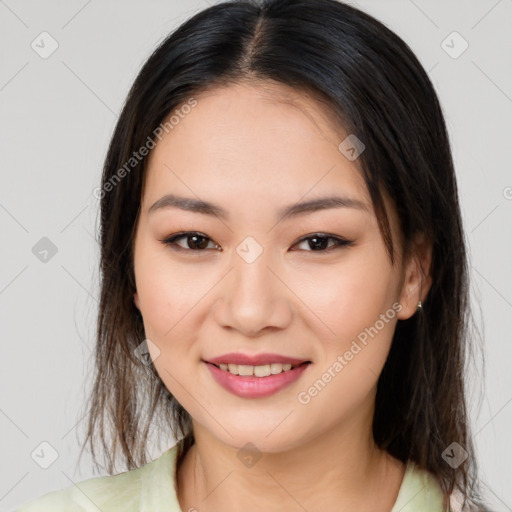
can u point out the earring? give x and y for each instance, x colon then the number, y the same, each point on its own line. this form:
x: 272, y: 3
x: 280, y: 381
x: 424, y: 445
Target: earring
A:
x: 420, y: 305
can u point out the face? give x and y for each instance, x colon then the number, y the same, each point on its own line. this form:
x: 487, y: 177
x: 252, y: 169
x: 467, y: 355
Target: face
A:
x: 244, y: 286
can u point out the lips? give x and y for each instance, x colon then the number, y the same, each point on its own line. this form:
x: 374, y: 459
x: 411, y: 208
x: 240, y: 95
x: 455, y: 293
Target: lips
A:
x: 255, y: 360
x: 255, y: 376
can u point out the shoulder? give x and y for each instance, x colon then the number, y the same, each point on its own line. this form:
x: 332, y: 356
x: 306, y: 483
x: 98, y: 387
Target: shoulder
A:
x: 132, y: 490
x: 420, y: 492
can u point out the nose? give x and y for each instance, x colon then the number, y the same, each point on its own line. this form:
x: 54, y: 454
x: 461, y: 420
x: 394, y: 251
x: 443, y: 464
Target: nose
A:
x: 253, y: 298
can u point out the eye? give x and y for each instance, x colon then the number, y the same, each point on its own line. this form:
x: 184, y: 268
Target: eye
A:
x: 198, y: 242
x: 194, y: 241
x: 319, y: 242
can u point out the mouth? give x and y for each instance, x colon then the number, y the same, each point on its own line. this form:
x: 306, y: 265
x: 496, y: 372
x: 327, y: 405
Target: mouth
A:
x: 256, y: 380
x: 256, y: 376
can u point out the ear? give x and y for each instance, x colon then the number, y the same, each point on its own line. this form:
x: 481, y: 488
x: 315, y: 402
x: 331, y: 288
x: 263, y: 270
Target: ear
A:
x: 136, y: 300
x: 417, y: 279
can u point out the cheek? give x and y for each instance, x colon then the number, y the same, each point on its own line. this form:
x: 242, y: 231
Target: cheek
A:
x: 167, y: 292
x: 357, y: 303
x: 169, y: 297
x: 362, y: 316
x: 351, y: 296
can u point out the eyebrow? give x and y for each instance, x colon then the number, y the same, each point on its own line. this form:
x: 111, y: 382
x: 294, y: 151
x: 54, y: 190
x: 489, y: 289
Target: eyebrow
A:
x: 199, y: 206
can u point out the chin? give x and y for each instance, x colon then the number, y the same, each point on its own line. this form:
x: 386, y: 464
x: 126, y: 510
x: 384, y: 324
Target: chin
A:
x: 263, y: 438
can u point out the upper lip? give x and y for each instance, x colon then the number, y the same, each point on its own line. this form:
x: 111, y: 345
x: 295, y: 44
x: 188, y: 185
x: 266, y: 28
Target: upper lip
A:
x: 254, y: 360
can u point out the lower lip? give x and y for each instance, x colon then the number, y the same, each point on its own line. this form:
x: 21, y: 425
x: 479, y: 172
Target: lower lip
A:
x: 255, y: 387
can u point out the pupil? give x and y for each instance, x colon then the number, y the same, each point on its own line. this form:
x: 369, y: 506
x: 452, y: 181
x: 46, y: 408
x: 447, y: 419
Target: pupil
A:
x: 318, y: 242
x: 195, y: 245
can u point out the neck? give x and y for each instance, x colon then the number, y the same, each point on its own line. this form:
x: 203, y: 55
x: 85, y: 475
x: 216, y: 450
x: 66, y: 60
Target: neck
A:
x: 342, y: 469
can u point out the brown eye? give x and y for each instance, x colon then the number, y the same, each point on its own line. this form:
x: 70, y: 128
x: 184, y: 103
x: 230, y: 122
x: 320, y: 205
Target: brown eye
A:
x: 320, y: 242
x: 194, y: 241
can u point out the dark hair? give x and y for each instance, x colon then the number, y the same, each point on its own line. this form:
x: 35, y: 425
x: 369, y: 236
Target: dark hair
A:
x: 374, y: 88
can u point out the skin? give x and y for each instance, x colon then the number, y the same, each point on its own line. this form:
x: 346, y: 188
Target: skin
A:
x: 252, y: 149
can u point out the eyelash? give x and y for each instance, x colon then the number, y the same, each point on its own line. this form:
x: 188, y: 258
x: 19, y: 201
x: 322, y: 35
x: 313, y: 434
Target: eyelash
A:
x: 340, y: 242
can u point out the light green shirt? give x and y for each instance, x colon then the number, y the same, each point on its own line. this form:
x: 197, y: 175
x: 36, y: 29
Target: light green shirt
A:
x: 151, y: 488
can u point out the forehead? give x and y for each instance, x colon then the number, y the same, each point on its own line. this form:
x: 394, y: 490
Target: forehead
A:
x: 256, y: 139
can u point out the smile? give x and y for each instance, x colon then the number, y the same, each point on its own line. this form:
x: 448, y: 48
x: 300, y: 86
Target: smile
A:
x: 256, y: 381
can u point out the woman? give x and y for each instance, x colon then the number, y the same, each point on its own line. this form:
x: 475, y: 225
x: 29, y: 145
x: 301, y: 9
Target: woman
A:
x: 284, y: 276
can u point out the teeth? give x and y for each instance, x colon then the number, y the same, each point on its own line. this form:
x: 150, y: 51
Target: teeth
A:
x: 276, y: 367
x: 264, y: 370
x: 245, y: 370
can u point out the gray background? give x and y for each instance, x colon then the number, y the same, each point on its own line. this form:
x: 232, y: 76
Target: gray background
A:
x: 57, y: 114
